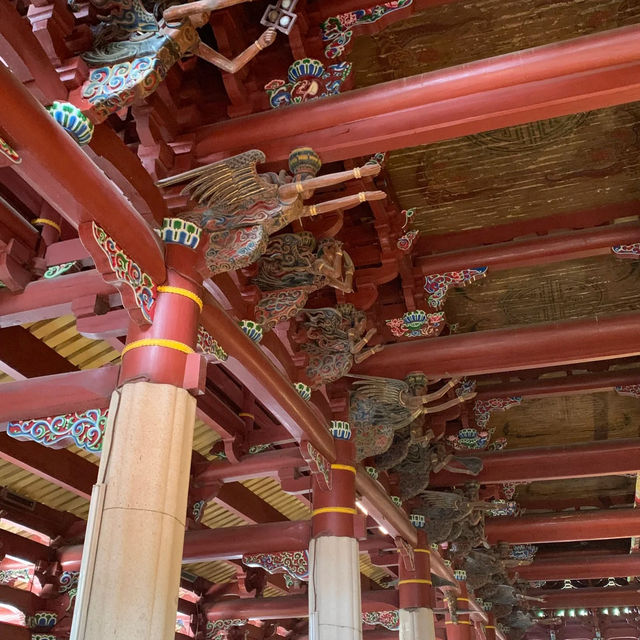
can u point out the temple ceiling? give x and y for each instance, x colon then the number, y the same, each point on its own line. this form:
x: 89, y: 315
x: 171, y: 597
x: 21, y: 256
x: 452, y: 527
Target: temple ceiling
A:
x: 577, y: 162
x: 559, y: 291
x: 458, y: 32
x: 560, y: 420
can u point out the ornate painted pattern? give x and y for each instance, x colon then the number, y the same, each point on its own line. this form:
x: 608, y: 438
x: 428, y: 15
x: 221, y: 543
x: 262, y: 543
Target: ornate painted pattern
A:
x: 405, y: 242
x: 373, y: 472
x: 72, y: 120
x: 60, y: 269
x: 8, y: 576
x: 217, y: 629
x: 523, y: 552
x: 308, y: 80
x: 127, y: 272
x: 627, y: 250
x: 469, y: 438
x: 278, y: 306
x: 482, y: 409
x: 340, y: 429
x: 417, y: 324
x: 43, y: 636
x: 338, y: 30
x: 320, y: 465
x: 85, y: 429
x: 207, y: 345
x: 69, y: 585
x: 387, y: 619
x: 303, y: 390
x: 437, y: 285
x: 466, y: 387
x: 377, y: 158
x: 504, y: 508
x: 629, y: 390
x: 418, y: 520
x: 43, y: 619
x: 9, y: 152
x: 178, y: 231
x: 115, y: 87
x: 198, y: 509
x: 251, y: 329
x: 508, y: 489
x: 295, y: 563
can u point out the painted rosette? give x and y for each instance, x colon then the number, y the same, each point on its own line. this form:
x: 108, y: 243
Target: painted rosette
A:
x: 305, y: 68
x: 303, y: 390
x: 72, y: 120
x: 340, y: 429
x: 251, y: 329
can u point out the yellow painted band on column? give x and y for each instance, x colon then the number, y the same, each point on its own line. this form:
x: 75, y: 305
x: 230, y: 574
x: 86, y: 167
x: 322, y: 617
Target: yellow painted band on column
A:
x: 348, y: 510
x: 49, y: 223
x: 416, y: 581
x: 459, y: 622
x: 246, y: 415
x: 179, y: 291
x: 344, y: 467
x: 489, y: 626
x: 463, y: 600
x: 158, y: 342
x: 421, y: 551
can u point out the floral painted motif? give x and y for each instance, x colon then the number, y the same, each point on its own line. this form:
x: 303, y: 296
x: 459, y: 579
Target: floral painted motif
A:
x: 377, y: 158
x: 72, y: 120
x: 178, y: 231
x: 417, y: 324
x: 251, y: 329
x: 303, y: 390
x: 508, y: 489
x: 632, y: 390
x: 9, y: 152
x: 69, y: 585
x: 340, y: 429
x: 294, y: 563
x: 483, y: 409
x: 217, y: 629
x: 387, y: 619
x: 209, y: 346
x: 338, y: 30
x: 437, y: 285
x: 469, y: 439
x: 136, y: 282
x: 319, y: 465
x: 308, y: 79
x: 43, y: 619
x: 60, y: 269
x: 523, y: 552
x: 15, y: 577
x: 85, y: 429
x: 627, y: 250
x: 504, y: 508
x: 405, y: 242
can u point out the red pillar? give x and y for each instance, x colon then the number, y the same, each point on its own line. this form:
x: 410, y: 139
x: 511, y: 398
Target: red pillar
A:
x: 459, y: 626
x: 490, y: 627
x: 414, y: 587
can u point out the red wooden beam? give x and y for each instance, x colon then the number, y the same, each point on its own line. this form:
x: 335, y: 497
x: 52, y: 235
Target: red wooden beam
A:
x: 334, y: 7
x: 586, y: 73
x: 580, y: 567
x: 533, y: 251
x: 627, y: 596
x: 227, y: 543
x: 570, y: 384
x: 529, y: 347
x: 59, y: 466
x: 58, y: 394
x: 69, y: 180
x: 44, y: 299
x: 564, y: 527
x: 14, y: 632
x: 290, y: 606
x: 251, y: 366
x: 251, y: 466
x: 23, y: 356
x: 12, y: 544
x: 614, y: 457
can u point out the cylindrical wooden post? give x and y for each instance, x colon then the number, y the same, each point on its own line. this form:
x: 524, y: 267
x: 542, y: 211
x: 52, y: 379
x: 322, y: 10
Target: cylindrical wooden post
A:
x: 335, y: 609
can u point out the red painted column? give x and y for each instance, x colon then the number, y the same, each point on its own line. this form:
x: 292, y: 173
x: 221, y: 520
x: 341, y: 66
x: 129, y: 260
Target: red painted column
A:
x: 490, y: 627
x: 416, y: 593
x: 139, y: 503
x: 334, y: 582
x: 459, y: 626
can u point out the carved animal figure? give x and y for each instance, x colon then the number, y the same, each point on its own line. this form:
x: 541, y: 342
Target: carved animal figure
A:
x: 336, y: 341
x: 242, y: 208
x: 134, y: 50
x: 295, y: 265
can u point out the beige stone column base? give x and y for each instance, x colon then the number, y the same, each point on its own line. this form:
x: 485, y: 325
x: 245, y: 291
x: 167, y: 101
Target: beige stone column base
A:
x: 132, y: 555
x: 417, y: 624
x: 335, y: 607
